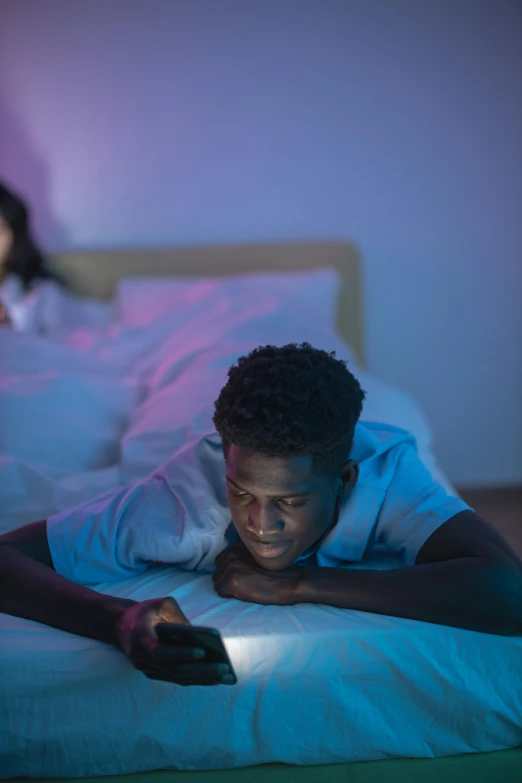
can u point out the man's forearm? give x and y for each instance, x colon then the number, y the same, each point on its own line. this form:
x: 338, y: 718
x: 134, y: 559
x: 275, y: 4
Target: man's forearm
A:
x: 465, y: 593
x: 32, y: 590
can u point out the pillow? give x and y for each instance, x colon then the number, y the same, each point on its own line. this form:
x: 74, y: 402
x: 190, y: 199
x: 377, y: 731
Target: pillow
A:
x: 189, y: 316
x: 142, y: 300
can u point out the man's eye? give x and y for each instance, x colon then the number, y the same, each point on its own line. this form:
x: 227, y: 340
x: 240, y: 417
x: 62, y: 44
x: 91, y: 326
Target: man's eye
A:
x: 292, y: 504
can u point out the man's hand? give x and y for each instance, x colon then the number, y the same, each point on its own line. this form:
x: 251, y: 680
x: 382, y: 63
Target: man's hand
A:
x: 138, y: 639
x: 237, y: 575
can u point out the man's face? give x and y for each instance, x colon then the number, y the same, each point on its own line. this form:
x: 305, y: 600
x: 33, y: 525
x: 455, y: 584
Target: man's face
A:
x: 280, y: 507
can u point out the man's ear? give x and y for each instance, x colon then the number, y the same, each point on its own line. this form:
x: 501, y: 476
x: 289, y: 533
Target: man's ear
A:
x: 349, y: 474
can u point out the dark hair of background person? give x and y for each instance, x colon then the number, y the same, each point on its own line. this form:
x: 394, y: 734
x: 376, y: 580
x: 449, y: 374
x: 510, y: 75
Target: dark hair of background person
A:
x: 288, y: 401
x: 25, y: 260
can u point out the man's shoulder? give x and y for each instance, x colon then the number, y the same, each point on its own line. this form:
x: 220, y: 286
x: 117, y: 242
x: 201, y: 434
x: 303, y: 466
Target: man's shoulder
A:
x: 198, y: 448
x: 374, y: 439
x: 379, y: 449
x: 199, y: 462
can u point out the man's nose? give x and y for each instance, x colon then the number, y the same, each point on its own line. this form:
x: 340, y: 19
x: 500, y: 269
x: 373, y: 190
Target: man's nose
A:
x: 264, y: 521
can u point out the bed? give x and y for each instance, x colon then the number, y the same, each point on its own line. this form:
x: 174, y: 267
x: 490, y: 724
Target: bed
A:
x: 323, y: 694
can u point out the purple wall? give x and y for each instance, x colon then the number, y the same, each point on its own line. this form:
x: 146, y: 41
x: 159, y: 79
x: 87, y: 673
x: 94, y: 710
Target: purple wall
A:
x: 395, y: 123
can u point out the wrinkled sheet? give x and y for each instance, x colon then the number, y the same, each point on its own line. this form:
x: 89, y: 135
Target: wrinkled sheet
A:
x: 104, y: 405
x: 316, y: 685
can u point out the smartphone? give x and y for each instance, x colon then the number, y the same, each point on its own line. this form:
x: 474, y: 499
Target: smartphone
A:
x: 208, y: 639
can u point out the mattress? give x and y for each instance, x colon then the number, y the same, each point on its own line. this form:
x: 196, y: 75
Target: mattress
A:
x: 316, y: 685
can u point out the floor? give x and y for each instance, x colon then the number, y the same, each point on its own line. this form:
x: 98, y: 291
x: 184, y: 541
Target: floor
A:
x: 502, y: 507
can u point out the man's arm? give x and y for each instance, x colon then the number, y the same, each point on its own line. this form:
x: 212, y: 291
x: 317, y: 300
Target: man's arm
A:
x: 465, y: 575
x: 31, y: 588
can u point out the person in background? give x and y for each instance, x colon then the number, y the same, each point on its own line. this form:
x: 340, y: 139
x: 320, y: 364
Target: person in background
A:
x: 33, y: 298
x: 24, y: 273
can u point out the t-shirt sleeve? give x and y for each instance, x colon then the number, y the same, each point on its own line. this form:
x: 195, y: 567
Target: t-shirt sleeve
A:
x: 414, y: 506
x: 177, y: 515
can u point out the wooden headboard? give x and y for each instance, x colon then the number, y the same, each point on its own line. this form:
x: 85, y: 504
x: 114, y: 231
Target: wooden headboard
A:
x: 95, y: 273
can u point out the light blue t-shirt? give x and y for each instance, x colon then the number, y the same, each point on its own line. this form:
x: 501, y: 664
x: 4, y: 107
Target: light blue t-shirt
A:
x: 179, y: 514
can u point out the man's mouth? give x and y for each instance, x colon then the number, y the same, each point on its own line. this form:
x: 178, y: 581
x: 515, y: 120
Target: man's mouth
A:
x: 275, y: 549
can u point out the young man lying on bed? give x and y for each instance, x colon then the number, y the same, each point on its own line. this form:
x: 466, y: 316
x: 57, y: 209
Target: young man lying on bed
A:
x: 307, y: 488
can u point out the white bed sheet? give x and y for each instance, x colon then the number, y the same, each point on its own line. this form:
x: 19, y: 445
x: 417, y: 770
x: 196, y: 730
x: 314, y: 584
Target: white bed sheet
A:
x: 316, y: 685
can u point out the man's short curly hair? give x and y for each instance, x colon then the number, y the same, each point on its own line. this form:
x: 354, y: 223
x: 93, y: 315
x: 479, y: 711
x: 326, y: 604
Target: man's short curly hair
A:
x: 288, y: 401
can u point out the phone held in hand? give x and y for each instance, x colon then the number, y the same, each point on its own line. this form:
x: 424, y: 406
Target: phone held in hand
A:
x: 208, y: 639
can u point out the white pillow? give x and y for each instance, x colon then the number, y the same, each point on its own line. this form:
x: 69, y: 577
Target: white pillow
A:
x: 142, y: 300
x: 189, y: 316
